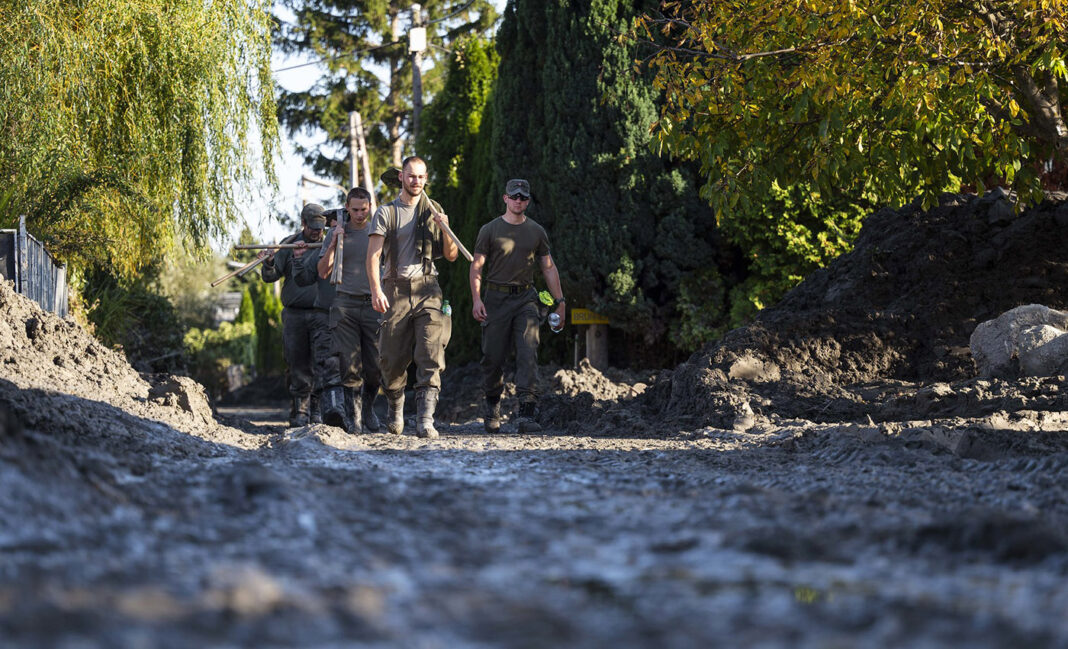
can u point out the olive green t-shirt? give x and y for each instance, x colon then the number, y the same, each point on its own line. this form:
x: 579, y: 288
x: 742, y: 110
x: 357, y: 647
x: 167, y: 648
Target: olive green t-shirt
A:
x: 511, y: 250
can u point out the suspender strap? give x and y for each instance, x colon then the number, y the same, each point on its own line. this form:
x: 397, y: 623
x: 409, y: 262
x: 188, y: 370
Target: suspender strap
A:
x: 391, y: 232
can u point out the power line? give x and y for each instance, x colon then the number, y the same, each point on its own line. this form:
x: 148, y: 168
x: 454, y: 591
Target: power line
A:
x: 460, y: 10
x: 377, y: 47
x: 336, y: 56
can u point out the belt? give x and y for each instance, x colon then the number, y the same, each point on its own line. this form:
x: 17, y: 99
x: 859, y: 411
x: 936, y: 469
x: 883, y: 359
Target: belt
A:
x: 358, y: 298
x: 511, y: 289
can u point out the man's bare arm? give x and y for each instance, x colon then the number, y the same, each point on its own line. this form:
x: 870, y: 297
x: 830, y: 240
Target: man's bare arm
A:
x: 374, y: 275
x: 326, y: 262
x: 552, y: 279
x: 474, y: 278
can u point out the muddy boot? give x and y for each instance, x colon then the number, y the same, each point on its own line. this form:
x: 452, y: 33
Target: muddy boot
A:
x: 395, y: 422
x: 492, y: 415
x: 315, y: 411
x: 334, y: 407
x: 426, y: 402
x: 298, y: 412
x: 354, y: 408
x: 370, y: 419
x: 528, y: 418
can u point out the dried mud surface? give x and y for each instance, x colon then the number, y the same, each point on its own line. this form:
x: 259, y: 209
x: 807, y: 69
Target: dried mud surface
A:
x: 833, y: 475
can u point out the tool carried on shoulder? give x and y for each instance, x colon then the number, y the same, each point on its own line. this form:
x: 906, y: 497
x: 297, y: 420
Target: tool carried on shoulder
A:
x: 391, y: 178
x: 339, y: 250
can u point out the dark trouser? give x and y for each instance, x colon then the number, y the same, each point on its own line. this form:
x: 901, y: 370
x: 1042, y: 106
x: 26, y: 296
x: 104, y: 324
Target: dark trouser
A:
x: 414, y: 329
x: 298, y: 326
x: 322, y: 349
x: 512, y: 322
x: 354, y: 327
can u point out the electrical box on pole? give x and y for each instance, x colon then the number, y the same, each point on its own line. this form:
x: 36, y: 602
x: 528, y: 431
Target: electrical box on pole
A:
x: 417, y: 39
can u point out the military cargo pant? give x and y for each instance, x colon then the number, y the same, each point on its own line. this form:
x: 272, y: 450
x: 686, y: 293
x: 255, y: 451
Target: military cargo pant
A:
x: 354, y: 327
x: 512, y: 322
x: 322, y: 349
x: 416, y: 330
x: 297, y: 328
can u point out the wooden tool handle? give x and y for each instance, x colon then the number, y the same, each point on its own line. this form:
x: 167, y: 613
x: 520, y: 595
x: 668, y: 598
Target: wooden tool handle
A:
x: 240, y: 271
x: 455, y: 239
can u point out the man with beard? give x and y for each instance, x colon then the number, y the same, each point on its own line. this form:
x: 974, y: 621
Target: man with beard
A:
x: 406, y: 289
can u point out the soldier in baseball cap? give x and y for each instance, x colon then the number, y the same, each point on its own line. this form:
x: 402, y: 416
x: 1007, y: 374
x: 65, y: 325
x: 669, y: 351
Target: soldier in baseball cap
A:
x: 517, y: 186
x: 299, y: 315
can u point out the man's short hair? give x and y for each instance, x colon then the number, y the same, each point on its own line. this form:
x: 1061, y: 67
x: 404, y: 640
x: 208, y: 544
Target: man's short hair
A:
x: 410, y: 159
x: 360, y: 193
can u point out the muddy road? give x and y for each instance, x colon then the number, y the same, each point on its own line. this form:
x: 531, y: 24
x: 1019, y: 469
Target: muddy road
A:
x: 794, y: 535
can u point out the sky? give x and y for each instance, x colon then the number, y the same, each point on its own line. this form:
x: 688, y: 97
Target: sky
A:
x: 286, y: 196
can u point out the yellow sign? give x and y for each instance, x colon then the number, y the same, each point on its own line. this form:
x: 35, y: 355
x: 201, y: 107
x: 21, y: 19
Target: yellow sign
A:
x: 587, y: 317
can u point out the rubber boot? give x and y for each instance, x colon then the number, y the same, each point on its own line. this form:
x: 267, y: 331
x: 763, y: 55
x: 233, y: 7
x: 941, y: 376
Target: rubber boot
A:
x: 395, y: 423
x: 353, y: 406
x: 492, y: 417
x: 370, y: 419
x: 333, y: 405
x: 426, y: 402
x: 298, y: 412
x: 315, y: 411
x: 528, y: 417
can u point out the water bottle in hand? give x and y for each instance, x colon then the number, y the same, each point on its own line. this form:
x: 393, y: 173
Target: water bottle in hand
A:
x: 556, y: 323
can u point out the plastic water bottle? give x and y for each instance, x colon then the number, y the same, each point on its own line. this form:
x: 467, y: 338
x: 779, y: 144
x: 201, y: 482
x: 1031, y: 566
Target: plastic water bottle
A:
x: 556, y: 323
x: 446, y: 308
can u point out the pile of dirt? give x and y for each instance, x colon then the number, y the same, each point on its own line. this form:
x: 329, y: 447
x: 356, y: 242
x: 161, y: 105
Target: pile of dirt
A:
x: 899, y: 308
x: 570, y: 399
x: 56, y: 377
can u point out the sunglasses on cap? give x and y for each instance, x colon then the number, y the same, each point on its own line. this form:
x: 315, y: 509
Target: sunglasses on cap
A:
x: 518, y: 197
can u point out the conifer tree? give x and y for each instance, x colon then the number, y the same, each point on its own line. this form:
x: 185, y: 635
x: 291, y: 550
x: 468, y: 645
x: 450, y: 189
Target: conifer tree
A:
x: 571, y: 116
x: 455, y: 143
x: 357, y: 42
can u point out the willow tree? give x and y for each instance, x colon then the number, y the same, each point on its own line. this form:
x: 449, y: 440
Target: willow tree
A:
x: 130, y: 125
x: 880, y: 101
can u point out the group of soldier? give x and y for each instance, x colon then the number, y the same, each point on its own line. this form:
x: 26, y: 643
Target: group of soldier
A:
x: 346, y: 341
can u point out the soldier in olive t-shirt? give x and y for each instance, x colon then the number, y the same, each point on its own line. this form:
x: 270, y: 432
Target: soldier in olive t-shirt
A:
x: 508, y: 248
x: 350, y: 391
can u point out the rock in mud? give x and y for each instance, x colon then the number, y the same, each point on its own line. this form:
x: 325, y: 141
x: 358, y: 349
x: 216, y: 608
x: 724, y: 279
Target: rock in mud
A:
x: 1028, y: 340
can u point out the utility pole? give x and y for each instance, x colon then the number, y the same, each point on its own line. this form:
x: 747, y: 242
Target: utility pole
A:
x: 361, y: 147
x: 354, y: 150
x: 395, y: 117
x: 417, y: 45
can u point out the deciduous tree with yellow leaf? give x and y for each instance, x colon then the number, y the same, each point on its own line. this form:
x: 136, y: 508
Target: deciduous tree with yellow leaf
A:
x: 877, y: 102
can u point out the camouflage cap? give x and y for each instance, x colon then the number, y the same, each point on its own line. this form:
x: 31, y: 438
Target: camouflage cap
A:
x: 517, y: 186
x: 314, y: 216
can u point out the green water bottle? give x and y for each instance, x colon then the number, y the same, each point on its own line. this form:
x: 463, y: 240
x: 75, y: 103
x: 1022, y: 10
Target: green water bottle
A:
x: 446, y: 308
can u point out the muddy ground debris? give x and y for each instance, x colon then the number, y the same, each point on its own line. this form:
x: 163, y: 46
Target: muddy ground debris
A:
x: 833, y: 475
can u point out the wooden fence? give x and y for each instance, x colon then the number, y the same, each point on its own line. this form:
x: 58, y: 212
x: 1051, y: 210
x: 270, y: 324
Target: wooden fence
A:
x: 24, y: 261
